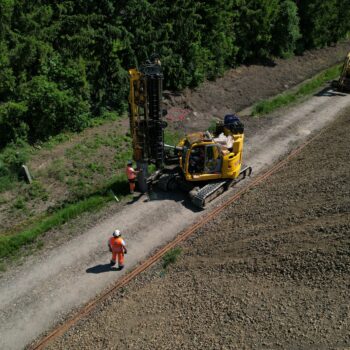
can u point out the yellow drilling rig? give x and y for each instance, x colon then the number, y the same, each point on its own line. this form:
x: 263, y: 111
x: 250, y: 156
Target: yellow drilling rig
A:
x: 203, y: 164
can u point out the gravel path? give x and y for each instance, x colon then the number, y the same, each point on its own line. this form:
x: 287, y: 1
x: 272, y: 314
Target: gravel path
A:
x: 271, y: 272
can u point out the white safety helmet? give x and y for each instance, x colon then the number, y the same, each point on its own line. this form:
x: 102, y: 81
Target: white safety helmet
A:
x: 116, y: 233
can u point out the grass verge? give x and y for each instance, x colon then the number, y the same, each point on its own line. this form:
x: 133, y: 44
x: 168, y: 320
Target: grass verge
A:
x: 92, y: 199
x: 10, y: 244
x: 270, y: 105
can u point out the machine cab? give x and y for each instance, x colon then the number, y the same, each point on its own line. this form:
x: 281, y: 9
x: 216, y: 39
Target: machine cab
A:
x: 204, y: 158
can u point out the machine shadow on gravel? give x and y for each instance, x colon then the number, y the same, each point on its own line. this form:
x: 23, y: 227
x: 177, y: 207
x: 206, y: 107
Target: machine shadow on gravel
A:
x: 101, y: 269
x: 159, y: 195
x: 174, y: 196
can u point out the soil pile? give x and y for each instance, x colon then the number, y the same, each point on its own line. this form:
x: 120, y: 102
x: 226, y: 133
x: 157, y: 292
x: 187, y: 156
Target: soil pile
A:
x: 271, y: 272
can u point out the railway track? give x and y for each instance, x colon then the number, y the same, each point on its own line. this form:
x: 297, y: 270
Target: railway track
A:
x: 85, y: 310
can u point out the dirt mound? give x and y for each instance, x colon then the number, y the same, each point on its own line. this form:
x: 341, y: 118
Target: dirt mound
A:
x: 271, y: 272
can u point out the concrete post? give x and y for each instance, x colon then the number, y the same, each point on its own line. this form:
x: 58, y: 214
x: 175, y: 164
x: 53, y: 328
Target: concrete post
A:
x: 26, y: 174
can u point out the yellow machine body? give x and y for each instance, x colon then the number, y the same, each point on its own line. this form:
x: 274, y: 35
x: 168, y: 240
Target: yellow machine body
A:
x: 205, y: 159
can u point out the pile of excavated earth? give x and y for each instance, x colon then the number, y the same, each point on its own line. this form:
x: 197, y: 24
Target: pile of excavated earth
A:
x: 270, y: 272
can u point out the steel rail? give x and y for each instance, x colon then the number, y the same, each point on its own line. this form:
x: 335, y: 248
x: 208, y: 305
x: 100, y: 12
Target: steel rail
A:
x: 85, y: 310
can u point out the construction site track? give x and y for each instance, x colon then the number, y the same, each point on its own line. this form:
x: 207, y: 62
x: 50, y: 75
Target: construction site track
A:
x: 85, y: 310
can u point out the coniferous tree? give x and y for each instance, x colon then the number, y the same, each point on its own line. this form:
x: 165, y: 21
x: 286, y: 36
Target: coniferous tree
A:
x: 254, y: 27
x: 64, y: 62
x: 286, y: 32
x: 316, y: 20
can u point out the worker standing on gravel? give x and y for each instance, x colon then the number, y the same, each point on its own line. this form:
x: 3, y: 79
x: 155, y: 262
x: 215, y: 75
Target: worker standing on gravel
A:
x: 131, y: 174
x: 117, y: 247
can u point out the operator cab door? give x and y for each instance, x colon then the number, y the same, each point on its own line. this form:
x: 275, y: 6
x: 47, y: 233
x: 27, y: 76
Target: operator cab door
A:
x: 213, y: 160
x: 205, y: 162
x: 196, y: 162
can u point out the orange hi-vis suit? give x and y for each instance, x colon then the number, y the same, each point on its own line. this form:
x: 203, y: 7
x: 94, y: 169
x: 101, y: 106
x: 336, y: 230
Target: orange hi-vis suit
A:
x: 117, y: 246
x: 131, y: 174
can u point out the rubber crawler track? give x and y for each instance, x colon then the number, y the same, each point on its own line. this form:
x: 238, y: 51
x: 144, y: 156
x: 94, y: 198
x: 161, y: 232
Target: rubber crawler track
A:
x: 85, y: 310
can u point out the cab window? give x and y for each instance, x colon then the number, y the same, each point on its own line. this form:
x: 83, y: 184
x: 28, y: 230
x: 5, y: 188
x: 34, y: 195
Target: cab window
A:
x: 197, y: 160
x: 213, y: 159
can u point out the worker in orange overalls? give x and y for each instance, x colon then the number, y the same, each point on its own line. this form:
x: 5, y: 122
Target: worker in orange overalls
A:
x: 131, y: 174
x: 117, y: 247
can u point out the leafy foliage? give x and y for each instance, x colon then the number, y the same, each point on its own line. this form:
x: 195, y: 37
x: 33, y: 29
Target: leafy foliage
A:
x: 64, y: 63
x: 323, y: 22
x: 286, y: 32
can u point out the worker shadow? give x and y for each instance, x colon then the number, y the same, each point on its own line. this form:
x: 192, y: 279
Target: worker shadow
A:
x: 330, y: 92
x: 102, y: 268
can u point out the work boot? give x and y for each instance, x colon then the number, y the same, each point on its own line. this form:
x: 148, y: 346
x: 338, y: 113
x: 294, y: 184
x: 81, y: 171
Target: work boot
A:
x: 112, y: 263
x: 120, y: 267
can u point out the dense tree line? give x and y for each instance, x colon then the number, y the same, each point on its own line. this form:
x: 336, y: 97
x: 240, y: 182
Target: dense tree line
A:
x: 64, y: 62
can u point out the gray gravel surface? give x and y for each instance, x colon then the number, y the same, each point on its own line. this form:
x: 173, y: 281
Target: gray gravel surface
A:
x: 271, y: 272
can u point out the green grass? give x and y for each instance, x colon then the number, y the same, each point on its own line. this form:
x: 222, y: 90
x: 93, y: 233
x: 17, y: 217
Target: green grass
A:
x: 36, y: 191
x: 20, y: 203
x: 66, y: 136
x: 7, y: 183
x: 3, y: 200
x: 2, y: 267
x: 172, y: 137
x: 55, y: 140
x: 40, y: 244
x: 268, y: 106
x: 105, y: 116
x: 10, y: 244
x: 171, y: 256
x: 90, y: 182
x: 11, y: 159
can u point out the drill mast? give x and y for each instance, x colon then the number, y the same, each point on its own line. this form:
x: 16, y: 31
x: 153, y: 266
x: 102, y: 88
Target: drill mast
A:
x: 146, y: 115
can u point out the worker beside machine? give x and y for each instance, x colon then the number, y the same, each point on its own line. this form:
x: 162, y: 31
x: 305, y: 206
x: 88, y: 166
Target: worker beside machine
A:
x: 131, y: 175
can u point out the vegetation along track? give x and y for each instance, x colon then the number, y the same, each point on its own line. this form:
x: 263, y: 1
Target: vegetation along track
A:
x: 160, y: 253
